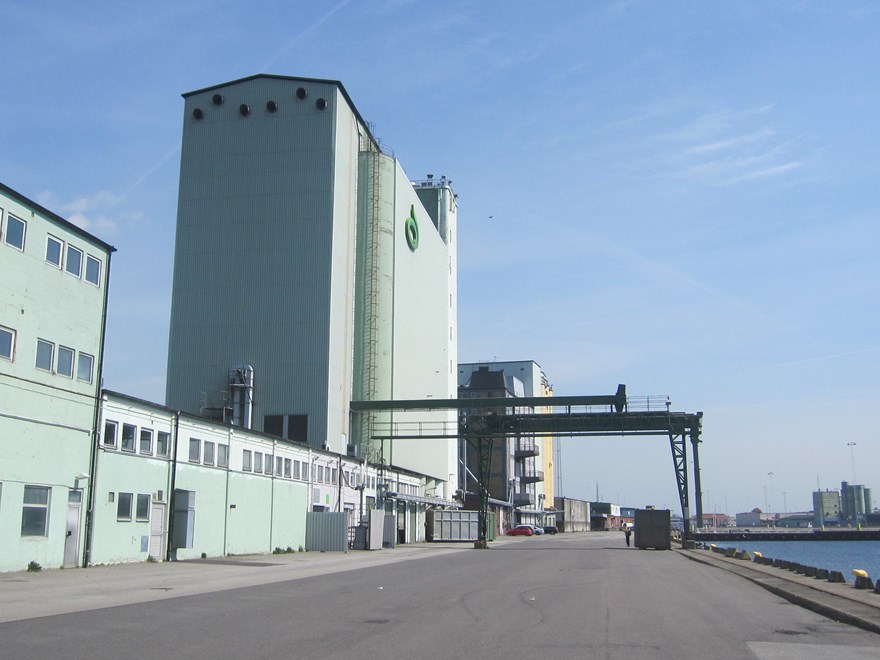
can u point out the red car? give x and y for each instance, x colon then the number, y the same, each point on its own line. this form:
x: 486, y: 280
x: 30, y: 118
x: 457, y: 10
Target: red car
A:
x: 521, y: 530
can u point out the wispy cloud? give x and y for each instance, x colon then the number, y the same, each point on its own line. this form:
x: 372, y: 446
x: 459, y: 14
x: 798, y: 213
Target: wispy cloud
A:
x: 729, y: 143
x: 303, y: 34
x: 818, y: 358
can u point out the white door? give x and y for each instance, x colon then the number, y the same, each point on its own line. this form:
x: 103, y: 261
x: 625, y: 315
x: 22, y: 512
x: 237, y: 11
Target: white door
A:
x: 71, y: 541
x: 157, y: 531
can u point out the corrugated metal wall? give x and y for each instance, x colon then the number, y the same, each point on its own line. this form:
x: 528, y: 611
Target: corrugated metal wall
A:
x: 327, y: 531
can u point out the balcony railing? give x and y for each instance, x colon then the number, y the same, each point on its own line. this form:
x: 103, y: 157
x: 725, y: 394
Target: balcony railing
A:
x: 532, y: 477
x: 526, y: 449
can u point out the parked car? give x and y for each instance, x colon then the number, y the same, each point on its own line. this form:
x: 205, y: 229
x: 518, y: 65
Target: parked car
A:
x: 538, y: 530
x: 551, y: 529
x: 521, y: 530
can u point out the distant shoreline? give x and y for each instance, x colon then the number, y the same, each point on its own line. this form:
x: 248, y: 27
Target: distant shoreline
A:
x: 872, y: 534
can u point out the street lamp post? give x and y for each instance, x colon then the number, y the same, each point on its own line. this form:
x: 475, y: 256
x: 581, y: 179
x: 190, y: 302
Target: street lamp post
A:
x: 852, y: 456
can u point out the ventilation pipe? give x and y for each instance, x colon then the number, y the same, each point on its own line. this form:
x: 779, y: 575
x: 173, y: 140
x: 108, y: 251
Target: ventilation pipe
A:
x: 241, y: 395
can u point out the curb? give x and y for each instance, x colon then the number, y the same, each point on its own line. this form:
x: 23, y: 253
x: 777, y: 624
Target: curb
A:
x: 833, y: 606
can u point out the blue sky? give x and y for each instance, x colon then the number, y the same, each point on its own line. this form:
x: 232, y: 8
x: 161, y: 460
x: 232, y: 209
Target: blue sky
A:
x: 678, y: 196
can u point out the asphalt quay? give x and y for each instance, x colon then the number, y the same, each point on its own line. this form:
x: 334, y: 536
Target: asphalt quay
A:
x: 28, y: 595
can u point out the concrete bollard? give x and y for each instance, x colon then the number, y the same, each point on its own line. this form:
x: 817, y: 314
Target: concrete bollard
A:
x: 836, y: 576
x: 745, y: 555
x: 821, y: 573
x: 863, y: 580
x: 730, y: 552
x: 810, y: 571
x: 800, y: 569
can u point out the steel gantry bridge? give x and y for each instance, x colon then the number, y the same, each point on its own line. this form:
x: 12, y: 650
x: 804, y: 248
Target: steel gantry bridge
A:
x: 482, y: 421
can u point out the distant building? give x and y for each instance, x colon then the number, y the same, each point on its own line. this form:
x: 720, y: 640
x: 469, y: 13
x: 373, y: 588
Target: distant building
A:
x: 755, y: 518
x: 855, y: 502
x: 826, y: 508
x: 522, y: 467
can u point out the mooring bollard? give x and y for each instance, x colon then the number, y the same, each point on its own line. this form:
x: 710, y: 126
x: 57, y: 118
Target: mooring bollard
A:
x: 836, y: 576
x: 863, y: 580
x: 821, y: 573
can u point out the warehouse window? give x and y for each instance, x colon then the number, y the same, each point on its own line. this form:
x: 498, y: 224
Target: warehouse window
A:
x: 246, y: 460
x: 287, y: 471
x: 74, y: 261
x: 45, y: 355
x: 258, y: 462
x: 123, y: 507
x: 7, y: 342
x: 128, y: 435
x: 109, y: 438
x: 35, y: 511
x: 84, y: 366
x: 163, y: 439
x: 222, y: 455
x: 54, y: 250
x: 209, y: 453
x: 195, y: 450
x: 268, y: 464
x: 65, y: 362
x: 93, y: 270
x: 143, y: 507
x: 146, y: 441
x: 15, y: 232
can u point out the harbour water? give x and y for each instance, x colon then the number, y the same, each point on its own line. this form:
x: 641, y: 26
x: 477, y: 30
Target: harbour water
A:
x: 841, y: 556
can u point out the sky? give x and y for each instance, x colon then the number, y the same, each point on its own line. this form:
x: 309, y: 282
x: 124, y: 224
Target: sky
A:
x: 681, y: 196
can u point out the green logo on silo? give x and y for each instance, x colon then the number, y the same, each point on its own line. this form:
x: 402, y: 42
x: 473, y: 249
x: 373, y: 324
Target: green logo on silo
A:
x: 411, y: 228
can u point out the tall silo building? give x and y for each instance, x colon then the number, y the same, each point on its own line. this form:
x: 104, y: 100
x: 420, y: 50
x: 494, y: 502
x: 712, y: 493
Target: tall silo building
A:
x: 309, y: 271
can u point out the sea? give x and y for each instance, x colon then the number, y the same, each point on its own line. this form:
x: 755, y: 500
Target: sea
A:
x: 843, y: 556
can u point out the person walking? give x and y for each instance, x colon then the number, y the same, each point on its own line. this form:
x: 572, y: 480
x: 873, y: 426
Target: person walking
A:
x: 627, y: 532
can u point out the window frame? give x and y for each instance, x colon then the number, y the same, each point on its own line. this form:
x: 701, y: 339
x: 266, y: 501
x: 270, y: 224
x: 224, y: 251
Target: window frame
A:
x: 279, y: 466
x: 30, y: 507
x: 79, y: 261
x: 163, y: 443
x: 148, y: 435
x: 11, y: 356
x: 143, y: 499
x: 258, y: 462
x: 79, y: 366
x: 10, y: 217
x: 288, y: 463
x: 246, y: 460
x: 208, y: 446
x: 50, y: 240
x: 89, y: 260
x: 69, y: 368
x: 268, y: 464
x: 121, y: 514
x: 222, y: 455
x: 107, y: 424
x: 51, y: 345
x: 122, y: 443
x: 195, y: 457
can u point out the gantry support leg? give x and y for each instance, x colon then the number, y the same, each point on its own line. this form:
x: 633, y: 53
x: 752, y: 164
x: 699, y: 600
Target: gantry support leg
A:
x: 679, y: 460
x: 698, y: 490
x: 484, y: 451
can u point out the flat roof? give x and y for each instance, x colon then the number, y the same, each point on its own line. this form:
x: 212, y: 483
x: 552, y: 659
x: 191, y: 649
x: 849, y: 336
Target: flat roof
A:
x: 292, y: 79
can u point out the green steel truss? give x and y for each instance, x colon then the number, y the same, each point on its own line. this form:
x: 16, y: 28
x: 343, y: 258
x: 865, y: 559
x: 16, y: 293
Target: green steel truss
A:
x: 481, y: 421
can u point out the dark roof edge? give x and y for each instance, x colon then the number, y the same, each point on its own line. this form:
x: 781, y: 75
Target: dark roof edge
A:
x: 275, y: 76
x: 42, y: 209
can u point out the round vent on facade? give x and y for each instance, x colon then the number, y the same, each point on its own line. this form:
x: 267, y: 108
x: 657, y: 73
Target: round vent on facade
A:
x: 321, y: 104
x: 217, y: 99
x: 301, y: 93
x: 271, y: 106
x: 244, y: 109
x: 197, y: 113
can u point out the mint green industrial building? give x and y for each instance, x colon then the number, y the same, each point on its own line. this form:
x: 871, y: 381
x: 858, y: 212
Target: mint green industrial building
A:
x: 53, y: 301
x: 309, y: 272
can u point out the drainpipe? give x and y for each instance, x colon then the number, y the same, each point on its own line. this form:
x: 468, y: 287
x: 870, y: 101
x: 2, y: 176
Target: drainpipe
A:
x: 272, y: 497
x: 171, y: 495
x: 93, y: 452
